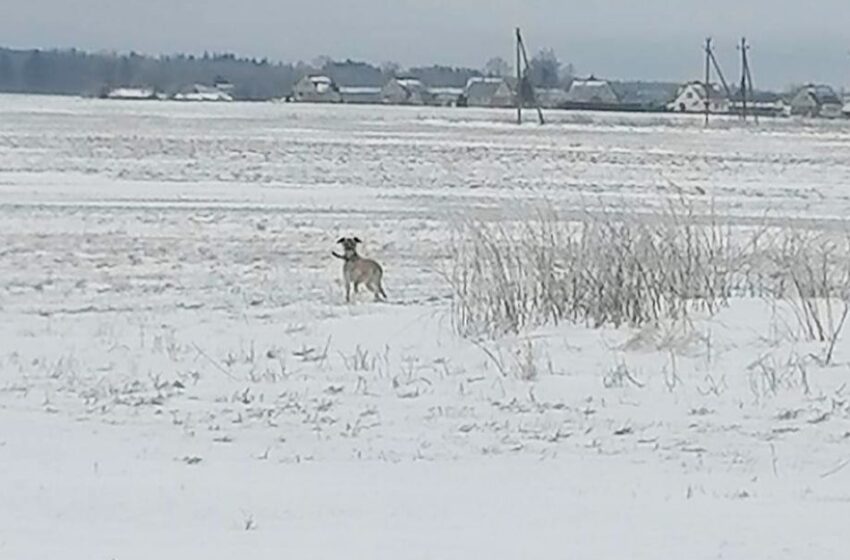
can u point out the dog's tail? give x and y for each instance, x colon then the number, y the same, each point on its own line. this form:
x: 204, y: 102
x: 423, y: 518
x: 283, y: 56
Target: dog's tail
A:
x: 342, y: 257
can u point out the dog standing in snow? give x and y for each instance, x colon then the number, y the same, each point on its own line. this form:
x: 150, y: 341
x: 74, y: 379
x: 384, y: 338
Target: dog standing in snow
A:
x: 356, y: 270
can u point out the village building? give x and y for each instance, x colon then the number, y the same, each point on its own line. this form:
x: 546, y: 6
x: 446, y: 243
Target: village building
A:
x: 128, y: 93
x: 200, y: 92
x: 644, y: 96
x: 551, y: 98
x: 761, y: 103
x: 405, y: 91
x: 446, y: 96
x: 316, y: 89
x: 360, y: 95
x: 691, y: 98
x: 591, y: 91
x: 816, y: 101
x: 224, y: 85
x: 489, y: 92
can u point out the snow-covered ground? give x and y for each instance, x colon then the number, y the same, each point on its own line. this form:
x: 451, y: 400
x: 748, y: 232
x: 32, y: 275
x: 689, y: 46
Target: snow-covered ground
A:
x: 181, y: 378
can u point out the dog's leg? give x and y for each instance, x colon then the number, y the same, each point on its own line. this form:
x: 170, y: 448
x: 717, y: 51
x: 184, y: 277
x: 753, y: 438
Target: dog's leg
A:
x: 347, y: 291
x: 375, y: 288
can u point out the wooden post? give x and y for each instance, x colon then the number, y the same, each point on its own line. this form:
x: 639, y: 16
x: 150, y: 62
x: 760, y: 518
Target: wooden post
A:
x: 707, y: 84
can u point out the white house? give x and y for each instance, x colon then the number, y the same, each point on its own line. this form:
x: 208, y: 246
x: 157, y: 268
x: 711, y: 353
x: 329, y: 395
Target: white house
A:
x: 316, y: 89
x: 489, y: 92
x: 691, y: 99
x: 405, y: 91
x: 591, y: 91
x: 816, y: 101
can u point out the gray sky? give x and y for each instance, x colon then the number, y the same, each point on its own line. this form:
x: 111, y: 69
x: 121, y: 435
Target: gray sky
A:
x: 654, y: 39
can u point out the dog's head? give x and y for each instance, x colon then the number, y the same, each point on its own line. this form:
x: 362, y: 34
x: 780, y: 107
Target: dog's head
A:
x: 349, y: 244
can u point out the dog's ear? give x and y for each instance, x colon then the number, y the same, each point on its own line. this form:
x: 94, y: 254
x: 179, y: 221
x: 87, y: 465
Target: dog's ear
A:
x: 340, y: 240
x: 357, y: 240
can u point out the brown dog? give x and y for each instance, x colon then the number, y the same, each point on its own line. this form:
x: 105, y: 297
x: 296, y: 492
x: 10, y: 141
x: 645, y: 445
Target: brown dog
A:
x: 356, y: 270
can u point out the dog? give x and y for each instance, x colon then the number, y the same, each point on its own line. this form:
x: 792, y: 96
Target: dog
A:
x: 356, y: 270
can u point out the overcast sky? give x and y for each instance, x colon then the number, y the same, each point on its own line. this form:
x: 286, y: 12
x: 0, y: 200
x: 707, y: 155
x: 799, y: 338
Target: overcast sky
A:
x: 792, y: 42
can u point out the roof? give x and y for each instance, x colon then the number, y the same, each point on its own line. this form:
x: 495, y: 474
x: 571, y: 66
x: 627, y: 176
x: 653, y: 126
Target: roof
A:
x: 714, y: 93
x: 201, y: 88
x: 410, y: 83
x: 589, y: 82
x: 360, y: 90
x: 483, y: 87
x: 320, y: 79
x: 446, y: 91
x: 758, y: 96
x: 591, y: 89
x: 653, y: 94
x: 214, y: 95
x: 130, y: 93
x: 822, y: 94
x: 322, y: 84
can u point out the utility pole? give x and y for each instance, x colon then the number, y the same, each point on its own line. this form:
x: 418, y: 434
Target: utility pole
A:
x: 711, y: 60
x: 743, y: 48
x: 707, y: 83
x: 522, y: 57
x: 747, y: 90
x: 518, y: 78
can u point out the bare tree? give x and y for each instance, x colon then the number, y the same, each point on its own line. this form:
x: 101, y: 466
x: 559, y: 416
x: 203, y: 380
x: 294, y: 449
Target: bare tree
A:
x: 545, y: 69
x: 497, y: 67
x: 390, y: 69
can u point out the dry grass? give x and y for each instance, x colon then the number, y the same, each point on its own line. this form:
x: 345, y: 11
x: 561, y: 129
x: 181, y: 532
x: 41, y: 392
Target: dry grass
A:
x: 615, y: 269
x: 609, y: 269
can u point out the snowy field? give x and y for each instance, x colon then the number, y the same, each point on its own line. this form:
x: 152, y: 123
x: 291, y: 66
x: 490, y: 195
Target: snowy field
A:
x: 181, y: 378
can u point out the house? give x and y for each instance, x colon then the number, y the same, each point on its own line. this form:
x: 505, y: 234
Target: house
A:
x: 224, y: 85
x: 128, y: 93
x: 316, y: 89
x: 360, y: 94
x: 445, y: 96
x: 550, y: 98
x: 489, y: 92
x: 591, y: 91
x: 200, y: 92
x: 816, y: 101
x: 691, y: 98
x: 645, y: 96
x: 762, y: 103
x: 405, y: 91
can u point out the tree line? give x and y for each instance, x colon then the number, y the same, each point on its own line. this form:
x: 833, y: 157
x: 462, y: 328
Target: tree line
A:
x: 74, y: 72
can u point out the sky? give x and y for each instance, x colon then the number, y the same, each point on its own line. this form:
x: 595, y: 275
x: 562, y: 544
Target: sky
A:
x: 792, y: 42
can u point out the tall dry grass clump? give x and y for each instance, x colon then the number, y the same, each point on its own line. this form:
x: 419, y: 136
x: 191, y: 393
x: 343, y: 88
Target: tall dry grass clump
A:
x: 618, y: 268
x: 607, y: 269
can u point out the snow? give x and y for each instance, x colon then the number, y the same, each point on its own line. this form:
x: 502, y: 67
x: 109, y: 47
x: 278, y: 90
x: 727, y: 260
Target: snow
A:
x: 131, y: 93
x: 200, y: 92
x: 180, y: 376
